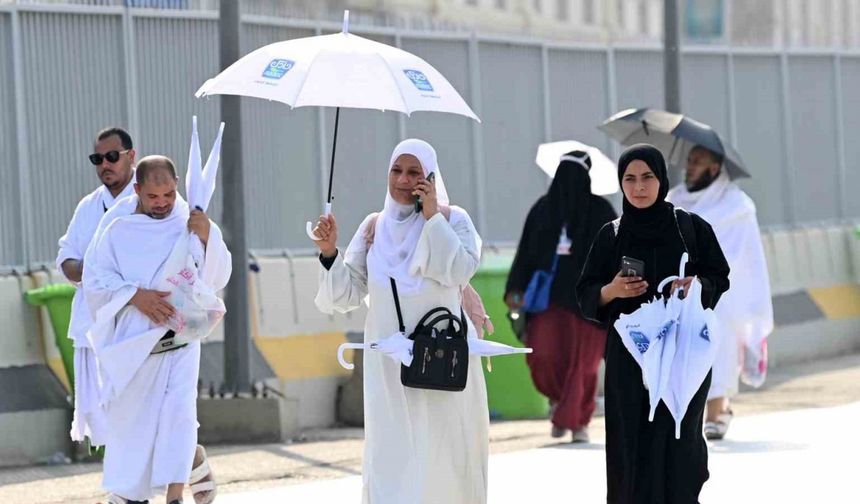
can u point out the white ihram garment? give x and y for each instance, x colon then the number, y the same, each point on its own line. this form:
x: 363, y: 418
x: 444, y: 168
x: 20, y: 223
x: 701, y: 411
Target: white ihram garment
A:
x: 745, y: 312
x: 150, y: 399
x: 88, y: 420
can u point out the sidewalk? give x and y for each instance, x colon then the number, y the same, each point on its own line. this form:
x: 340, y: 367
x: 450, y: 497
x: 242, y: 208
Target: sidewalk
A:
x: 771, y: 457
x: 336, y: 453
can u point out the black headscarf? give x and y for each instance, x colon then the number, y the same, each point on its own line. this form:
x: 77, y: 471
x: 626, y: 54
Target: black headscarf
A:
x: 569, y: 198
x: 646, y: 224
x: 569, y: 203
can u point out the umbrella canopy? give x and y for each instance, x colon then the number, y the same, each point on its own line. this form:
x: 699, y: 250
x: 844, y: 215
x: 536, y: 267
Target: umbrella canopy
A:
x: 340, y: 70
x: 673, y: 134
x: 603, y: 173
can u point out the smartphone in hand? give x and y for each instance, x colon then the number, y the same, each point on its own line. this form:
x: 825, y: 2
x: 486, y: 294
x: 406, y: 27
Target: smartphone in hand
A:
x: 419, y: 205
x: 632, y: 267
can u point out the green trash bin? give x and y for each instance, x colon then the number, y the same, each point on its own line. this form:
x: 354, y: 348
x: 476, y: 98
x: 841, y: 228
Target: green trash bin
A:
x: 510, y: 391
x: 58, y: 299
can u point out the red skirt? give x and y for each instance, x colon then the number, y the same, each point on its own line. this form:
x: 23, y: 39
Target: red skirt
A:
x: 566, y: 355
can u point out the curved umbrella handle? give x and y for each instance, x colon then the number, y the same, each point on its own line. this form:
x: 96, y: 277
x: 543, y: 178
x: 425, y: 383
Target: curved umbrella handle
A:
x: 344, y: 347
x: 685, y: 257
x: 666, y: 281
x: 309, y: 227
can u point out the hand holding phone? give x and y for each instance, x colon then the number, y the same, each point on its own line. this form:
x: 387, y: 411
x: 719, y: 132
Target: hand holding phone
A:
x: 628, y: 283
x: 632, y: 267
x: 419, y: 204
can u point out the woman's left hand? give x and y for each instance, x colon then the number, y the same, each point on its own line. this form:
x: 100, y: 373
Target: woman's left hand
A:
x: 426, y: 190
x: 683, y: 283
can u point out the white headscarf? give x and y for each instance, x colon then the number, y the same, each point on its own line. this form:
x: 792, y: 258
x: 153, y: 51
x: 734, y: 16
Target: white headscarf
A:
x: 399, y: 227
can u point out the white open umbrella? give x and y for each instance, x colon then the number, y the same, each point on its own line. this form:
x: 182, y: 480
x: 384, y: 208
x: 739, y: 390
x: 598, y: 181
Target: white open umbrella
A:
x: 603, y: 173
x: 340, y: 70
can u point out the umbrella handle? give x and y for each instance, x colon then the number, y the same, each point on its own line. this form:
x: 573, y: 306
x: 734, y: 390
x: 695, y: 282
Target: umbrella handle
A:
x: 309, y: 227
x: 666, y: 281
x: 344, y: 347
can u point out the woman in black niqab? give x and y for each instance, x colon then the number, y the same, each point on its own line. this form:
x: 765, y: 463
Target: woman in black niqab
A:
x: 567, y: 349
x: 645, y: 464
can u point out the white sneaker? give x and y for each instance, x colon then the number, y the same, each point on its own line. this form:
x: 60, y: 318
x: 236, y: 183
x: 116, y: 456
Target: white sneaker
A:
x: 581, y: 436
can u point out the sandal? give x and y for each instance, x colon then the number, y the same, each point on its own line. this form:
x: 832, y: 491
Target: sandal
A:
x: 201, y: 481
x: 715, y: 431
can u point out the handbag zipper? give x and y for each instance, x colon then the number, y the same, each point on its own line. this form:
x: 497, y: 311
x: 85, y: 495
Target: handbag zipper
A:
x: 425, y: 360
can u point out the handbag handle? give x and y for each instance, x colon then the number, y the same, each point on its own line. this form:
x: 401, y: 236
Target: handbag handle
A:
x: 447, y: 313
x: 450, y: 318
x: 431, y: 313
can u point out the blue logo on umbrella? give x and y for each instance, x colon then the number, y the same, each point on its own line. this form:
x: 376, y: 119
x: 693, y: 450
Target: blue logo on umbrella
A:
x: 665, y: 329
x: 278, y: 68
x: 640, y: 340
x: 419, y: 79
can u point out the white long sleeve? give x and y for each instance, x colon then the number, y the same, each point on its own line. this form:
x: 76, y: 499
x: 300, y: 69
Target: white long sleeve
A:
x: 449, y: 252
x: 343, y: 287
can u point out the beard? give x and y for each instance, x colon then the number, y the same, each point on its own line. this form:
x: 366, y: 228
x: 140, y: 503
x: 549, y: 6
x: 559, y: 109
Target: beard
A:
x: 152, y: 214
x: 702, y: 183
x: 116, y: 183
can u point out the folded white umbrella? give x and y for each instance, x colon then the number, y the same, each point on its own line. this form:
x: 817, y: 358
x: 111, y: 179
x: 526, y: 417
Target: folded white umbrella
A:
x: 603, y: 173
x: 340, y: 70
x: 399, y: 347
x: 198, y: 307
x: 650, y: 335
x: 696, y: 348
x: 199, y: 180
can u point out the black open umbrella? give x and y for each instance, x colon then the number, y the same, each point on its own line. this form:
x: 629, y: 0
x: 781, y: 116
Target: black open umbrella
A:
x: 673, y: 134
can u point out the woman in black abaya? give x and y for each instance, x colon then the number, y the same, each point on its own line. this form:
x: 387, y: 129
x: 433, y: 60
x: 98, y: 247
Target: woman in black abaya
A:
x: 645, y: 464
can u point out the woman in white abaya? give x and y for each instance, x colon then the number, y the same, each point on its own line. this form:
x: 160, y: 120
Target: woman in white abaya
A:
x: 421, y: 446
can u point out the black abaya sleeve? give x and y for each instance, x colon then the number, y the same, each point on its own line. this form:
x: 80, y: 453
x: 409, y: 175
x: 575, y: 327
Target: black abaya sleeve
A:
x: 525, y: 260
x: 711, y: 265
x: 597, y: 272
x: 603, y: 211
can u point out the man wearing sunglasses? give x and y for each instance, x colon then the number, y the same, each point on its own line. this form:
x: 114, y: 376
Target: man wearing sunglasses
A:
x: 113, y: 157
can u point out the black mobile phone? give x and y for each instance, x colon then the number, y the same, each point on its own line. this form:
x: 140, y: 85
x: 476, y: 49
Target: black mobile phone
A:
x: 631, y: 267
x: 419, y: 205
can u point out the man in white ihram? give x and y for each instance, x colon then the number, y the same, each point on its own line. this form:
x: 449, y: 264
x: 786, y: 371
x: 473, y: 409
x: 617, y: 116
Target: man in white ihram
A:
x: 149, y: 372
x: 745, y: 312
x: 114, y: 162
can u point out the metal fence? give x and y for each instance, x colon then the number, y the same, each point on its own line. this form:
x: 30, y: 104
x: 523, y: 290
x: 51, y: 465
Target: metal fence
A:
x: 67, y: 71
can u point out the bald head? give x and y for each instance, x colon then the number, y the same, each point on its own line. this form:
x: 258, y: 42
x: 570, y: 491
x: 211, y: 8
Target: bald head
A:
x: 158, y: 168
x: 156, y: 186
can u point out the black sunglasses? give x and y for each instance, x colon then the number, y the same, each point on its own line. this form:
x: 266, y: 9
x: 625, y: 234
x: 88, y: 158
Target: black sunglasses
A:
x: 111, y: 156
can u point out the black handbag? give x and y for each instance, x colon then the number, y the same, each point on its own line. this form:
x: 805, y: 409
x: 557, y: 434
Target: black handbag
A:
x: 440, y: 357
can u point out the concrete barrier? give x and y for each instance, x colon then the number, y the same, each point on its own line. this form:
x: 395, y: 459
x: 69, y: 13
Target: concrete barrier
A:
x: 814, y: 276
x: 35, y: 413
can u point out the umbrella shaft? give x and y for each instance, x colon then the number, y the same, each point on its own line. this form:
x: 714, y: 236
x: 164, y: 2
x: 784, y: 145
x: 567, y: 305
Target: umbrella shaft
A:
x: 333, y: 151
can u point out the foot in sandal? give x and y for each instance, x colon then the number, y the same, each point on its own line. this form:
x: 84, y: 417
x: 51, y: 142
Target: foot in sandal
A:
x: 201, y: 481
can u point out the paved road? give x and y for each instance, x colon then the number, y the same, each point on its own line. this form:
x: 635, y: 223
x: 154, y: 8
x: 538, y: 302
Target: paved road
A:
x: 787, y: 432
x: 800, y: 456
